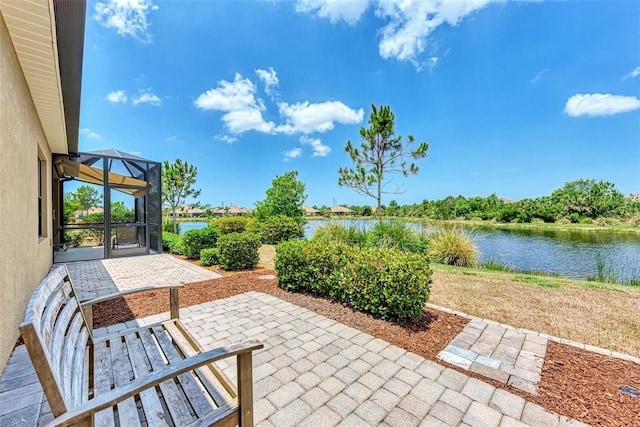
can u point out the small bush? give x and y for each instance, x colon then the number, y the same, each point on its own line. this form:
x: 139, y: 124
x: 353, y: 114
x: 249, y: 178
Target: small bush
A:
x: 238, y: 251
x: 396, y: 235
x: 303, y: 265
x: 196, y: 240
x: 231, y: 224
x: 453, y: 246
x: 386, y: 282
x: 333, y: 232
x: 275, y: 229
x: 209, y: 257
x: 172, y: 243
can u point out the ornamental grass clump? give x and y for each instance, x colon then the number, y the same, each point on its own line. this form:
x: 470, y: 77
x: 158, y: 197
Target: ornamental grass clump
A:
x: 453, y: 246
x: 396, y: 235
x: 334, y: 232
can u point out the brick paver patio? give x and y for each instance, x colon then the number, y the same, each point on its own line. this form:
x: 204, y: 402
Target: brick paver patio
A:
x: 313, y: 371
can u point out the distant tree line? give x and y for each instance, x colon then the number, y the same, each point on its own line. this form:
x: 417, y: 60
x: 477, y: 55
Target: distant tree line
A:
x: 580, y: 201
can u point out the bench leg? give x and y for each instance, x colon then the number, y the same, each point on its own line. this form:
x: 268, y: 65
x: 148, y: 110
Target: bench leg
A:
x: 245, y: 389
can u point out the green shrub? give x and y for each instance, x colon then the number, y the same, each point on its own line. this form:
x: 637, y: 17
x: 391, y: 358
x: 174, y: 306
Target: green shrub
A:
x: 209, y: 256
x: 275, y: 229
x: 172, y: 243
x: 238, y: 251
x: 385, y: 282
x: 303, y: 265
x: 396, y: 235
x: 231, y: 224
x: 196, y: 240
x: 452, y: 246
x: 334, y: 232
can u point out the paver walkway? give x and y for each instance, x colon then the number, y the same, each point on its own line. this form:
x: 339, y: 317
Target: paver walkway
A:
x: 107, y: 276
x: 314, y: 371
x: 504, y: 354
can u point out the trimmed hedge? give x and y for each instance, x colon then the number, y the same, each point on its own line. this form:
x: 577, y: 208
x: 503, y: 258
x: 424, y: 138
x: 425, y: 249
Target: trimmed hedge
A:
x: 275, y: 229
x: 209, y: 257
x: 196, y: 240
x: 388, y: 283
x: 172, y: 243
x: 238, y: 251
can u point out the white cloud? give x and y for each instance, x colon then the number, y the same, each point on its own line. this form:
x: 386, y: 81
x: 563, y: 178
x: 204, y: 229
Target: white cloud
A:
x: 599, y: 104
x: 292, y: 154
x: 348, y: 11
x: 635, y: 73
x: 304, y: 117
x: 127, y: 17
x: 408, y: 23
x: 172, y: 138
x: 319, y: 149
x: 270, y: 79
x: 226, y: 138
x: 243, y: 112
x: 117, y: 96
x: 146, y: 98
x: 88, y: 133
x: 538, y: 75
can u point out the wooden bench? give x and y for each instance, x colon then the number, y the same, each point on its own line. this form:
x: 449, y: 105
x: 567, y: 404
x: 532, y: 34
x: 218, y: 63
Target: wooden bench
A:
x: 157, y: 375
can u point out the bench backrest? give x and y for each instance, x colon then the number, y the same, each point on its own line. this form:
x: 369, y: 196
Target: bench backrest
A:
x: 57, y: 337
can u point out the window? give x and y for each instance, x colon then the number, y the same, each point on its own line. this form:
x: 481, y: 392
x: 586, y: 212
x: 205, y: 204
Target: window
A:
x: 42, y: 194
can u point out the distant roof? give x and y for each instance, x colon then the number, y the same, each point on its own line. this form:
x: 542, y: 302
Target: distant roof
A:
x: 307, y: 209
x: 340, y: 209
x: 112, y: 152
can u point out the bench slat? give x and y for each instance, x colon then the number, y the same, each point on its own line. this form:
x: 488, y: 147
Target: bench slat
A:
x: 68, y: 354
x: 189, y: 346
x: 78, y: 368
x: 102, y: 381
x: 122, y: 370
x: 50, y: 314
x: 59, y: 332
x: 39, y: 300
x: 178, y: 406
x: 153, y: 410
x: 192, y: 390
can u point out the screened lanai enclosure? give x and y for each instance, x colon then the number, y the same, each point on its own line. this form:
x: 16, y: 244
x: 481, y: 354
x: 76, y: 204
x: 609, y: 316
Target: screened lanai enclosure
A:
x: 117, y: 199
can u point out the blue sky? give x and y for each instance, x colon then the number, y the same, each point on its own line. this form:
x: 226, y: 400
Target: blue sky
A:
x: 514, y: 98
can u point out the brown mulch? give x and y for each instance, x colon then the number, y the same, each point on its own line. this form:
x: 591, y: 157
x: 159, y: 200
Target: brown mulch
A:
x: 575, y: 383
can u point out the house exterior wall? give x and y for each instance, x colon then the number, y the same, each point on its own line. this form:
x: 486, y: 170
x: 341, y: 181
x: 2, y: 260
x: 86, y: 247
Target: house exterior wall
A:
x: 25, y: 256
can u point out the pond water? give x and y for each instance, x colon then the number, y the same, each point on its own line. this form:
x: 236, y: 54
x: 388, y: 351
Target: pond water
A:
x: 572, y: 254
x: 192, y: 225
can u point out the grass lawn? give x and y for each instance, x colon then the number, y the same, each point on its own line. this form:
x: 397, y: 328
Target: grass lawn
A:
x: 594, y: 313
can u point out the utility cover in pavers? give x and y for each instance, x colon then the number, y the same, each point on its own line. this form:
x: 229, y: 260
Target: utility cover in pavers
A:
x: 500, y: 353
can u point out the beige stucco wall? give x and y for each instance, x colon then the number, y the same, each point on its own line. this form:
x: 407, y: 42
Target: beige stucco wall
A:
x: 25, y: 258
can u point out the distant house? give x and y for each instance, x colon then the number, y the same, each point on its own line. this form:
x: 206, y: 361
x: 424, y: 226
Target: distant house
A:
x: 634, y: 197
x: 341, y: 211
x: 507, y: 201
x: 231, y: 210
x: 82, y: 212
x: 187, y: 212
x: 307, y: 211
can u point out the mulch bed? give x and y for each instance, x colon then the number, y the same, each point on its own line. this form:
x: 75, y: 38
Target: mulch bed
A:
x: 575, y: 383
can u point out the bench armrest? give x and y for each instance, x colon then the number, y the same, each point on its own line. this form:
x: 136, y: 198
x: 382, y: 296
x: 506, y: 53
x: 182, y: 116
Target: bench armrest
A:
x: 154, y: 378
x: 174, y: 300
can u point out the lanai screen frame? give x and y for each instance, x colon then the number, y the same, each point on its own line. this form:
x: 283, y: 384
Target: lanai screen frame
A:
x: 139, y: 168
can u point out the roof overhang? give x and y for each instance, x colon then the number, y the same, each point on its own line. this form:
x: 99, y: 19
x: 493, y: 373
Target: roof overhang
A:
x: 95, y: 175
x: 48, y: 37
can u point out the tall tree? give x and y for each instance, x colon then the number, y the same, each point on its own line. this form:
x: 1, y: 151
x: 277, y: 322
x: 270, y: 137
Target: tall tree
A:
x: 285, y: 197
x: 178, y: 179
x: 87, y: 197
x: 381, y: 153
